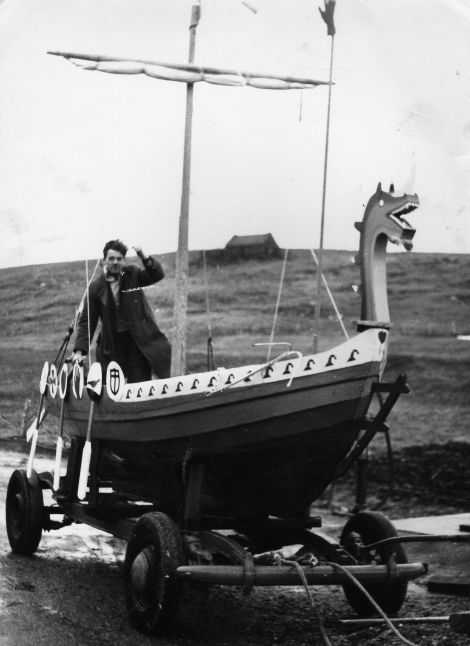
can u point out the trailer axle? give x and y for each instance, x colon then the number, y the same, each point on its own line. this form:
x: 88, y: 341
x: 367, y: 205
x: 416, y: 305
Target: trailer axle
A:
x: 282, y: 575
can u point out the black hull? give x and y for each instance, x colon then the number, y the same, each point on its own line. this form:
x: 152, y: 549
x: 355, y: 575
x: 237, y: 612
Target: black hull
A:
x: 267, y: 448
x: 279, y: 477
x: 272, y: 466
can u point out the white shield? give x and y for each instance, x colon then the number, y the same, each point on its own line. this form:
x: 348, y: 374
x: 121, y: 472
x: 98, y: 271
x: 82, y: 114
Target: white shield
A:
x: 78, y: 380
x: 63, y: 374
x: 44, y: 376
x: 53, y: 381
x: 94, y: 382
x: 115, y: 381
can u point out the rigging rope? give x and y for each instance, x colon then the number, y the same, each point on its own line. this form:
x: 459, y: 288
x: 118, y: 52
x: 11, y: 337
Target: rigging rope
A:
x: 63, y: 348
x: 337, y: 312
x: 85, y: 294
x: 278, y: 300
x: 210, y: 347
x: 88, y: 311
x: 322, y: 224
x: 59, y: 359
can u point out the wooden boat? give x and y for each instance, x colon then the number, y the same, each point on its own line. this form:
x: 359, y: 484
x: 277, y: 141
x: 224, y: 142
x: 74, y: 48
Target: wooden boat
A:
x: 256, y: 429
x: 270, y: 436
x: 208, y: 475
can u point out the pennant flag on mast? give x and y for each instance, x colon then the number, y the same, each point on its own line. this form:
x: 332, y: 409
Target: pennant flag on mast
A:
x: 188, y: 73
x: 328, y: 16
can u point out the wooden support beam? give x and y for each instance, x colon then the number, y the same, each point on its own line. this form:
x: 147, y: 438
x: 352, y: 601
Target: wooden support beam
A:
x: 194, y: 490
x: 359, y: 624
x: 460, y: 622
x: 449, y: 584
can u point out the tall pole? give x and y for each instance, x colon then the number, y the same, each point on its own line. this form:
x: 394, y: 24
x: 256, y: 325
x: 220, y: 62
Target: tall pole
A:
x: 327, y: 15
x: 178, y: 361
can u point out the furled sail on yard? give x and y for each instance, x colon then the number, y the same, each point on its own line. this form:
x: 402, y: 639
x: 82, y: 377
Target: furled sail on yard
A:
x: 188, y: 73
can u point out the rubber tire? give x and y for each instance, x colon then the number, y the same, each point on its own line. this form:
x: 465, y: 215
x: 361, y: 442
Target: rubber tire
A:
x: 155, y: 543
x: 390, y: 595
x: 24, y: 512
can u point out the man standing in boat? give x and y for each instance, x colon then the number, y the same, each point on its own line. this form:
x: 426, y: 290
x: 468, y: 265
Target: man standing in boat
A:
x: 129, y: 333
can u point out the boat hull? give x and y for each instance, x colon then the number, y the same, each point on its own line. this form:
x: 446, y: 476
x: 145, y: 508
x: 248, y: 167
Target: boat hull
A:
x: 265, y: 448
x: 271, y: 454
x: 321, y: 399
x: 278, y: 477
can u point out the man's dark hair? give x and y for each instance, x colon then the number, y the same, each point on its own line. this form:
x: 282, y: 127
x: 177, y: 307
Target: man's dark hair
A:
x: 115, y: 244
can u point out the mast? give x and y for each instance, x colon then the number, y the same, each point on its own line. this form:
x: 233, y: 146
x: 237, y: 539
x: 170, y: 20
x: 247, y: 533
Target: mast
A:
x: 178, y: 359
x: 328, y: 16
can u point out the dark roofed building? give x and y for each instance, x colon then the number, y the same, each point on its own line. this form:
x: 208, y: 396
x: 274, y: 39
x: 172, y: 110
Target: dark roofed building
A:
x: 256, y: 246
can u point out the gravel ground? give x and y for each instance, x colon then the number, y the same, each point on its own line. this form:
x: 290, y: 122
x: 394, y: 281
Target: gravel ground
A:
x: 71, y: 591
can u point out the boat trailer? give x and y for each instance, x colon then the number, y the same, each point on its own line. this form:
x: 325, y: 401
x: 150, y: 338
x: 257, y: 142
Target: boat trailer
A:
x: 164, y: 555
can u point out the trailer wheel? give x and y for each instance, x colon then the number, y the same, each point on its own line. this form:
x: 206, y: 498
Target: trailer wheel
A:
x: 153, y: 554
x: 24, y: 512
x: 368, y: 527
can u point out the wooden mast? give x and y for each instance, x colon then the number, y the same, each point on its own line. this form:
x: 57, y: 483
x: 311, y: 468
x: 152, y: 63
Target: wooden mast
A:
x: 178, y: 360
x: 328, y: 16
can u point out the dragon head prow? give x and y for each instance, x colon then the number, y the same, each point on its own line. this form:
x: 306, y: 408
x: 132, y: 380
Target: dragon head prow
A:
x: 384, y: 215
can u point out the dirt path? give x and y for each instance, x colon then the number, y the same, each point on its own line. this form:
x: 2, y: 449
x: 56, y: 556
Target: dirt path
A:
x: 70, y: 593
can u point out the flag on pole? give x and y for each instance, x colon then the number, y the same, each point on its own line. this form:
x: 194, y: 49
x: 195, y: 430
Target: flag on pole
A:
x: 188, y: 73
x: 328, y: 16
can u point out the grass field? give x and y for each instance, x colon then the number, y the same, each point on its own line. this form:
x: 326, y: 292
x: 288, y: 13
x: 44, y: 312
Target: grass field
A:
x: 429, y: 296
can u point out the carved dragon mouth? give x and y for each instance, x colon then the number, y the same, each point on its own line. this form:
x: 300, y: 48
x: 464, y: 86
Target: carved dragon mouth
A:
x: 408, y: 207
x: 397, y: 214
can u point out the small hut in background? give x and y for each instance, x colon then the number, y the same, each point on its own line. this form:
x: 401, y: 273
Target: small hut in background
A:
x: 256, y: 246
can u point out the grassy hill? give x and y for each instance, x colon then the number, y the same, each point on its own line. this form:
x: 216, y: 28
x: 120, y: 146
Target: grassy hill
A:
x: 429, y: 296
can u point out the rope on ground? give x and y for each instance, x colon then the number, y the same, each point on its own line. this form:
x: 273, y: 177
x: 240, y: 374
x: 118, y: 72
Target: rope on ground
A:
x: 278, y: 300
x: 325, y: 639
x: 360, y: 587
x: 321, y: 626
x: 330, y: 295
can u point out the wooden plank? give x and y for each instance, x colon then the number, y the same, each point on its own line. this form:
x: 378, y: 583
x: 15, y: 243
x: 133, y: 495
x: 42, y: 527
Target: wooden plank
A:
x: 359, y: 624
x: 449, y: 584
x: 460, y: 622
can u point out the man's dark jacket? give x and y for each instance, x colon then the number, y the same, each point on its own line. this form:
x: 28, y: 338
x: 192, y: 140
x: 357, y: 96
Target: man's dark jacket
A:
x: 135, y: 312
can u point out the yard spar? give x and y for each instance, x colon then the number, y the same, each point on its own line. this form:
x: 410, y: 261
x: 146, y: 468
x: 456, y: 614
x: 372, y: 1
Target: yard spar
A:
x: 247, y: 449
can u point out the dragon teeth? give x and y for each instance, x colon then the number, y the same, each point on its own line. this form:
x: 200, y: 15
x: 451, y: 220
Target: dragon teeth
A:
x: 405, y: 208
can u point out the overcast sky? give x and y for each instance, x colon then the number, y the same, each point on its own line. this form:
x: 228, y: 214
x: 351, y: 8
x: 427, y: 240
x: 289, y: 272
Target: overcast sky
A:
x: 87, y: 156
